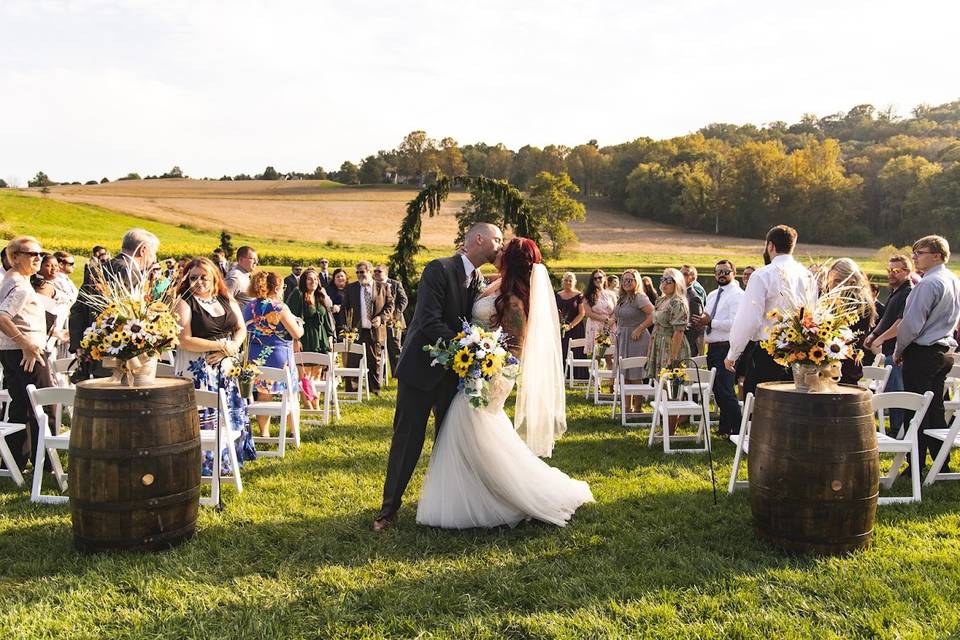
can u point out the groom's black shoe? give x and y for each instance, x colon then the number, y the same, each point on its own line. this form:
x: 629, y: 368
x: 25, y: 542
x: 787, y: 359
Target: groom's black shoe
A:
x: 384, y: 523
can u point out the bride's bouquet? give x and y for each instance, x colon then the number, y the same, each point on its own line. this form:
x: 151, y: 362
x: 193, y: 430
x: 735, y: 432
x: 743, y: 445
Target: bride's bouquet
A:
x: 477, y: 356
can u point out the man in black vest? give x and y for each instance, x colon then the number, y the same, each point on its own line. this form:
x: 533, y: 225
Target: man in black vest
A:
x: 445, y: 295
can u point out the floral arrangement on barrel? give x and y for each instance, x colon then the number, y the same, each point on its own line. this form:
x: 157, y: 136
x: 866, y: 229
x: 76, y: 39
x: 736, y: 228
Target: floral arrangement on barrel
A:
x: 813, y: 336
x: 477, y: 356
x: 134, y: 326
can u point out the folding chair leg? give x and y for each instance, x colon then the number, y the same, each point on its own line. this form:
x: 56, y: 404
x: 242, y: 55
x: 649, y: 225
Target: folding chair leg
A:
x: 732, y: 486
x: 888, y: 480
x: 666, y: 432
x: 915, y: 471
x: 12, y: 468
x: 58, y: 473
x: 938, y: 462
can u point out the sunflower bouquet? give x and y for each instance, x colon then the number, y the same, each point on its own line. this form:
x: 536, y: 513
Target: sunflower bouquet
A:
x: 477, y: 356
x: 348, y: 334
x: 602, y: 342
x: 246, y: 372
x: 677, y: 376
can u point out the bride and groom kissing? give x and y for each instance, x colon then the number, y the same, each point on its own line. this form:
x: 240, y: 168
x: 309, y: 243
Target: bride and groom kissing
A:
x: 483, y: 472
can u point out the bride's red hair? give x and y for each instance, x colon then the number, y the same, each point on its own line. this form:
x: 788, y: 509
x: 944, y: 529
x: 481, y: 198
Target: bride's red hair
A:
x: 516, y: 263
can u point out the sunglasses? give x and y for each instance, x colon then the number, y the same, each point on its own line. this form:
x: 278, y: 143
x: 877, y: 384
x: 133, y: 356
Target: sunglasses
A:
x: 724, y: 272
x: 667, y: 280
x: 599, y: 278
x: 195, y: 278
x: 895, y: 271
x: 32, y: 254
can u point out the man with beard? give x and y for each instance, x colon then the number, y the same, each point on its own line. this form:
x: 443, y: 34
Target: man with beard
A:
x: 717, y: 321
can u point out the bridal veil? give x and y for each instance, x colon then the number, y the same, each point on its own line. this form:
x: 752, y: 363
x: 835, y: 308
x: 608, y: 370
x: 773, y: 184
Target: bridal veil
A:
x: 541, y: 414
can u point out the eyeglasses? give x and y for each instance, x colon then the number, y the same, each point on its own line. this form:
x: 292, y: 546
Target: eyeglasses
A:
x: 32, y: 254
x: 723, y: 272
x: 69, y: 263
x: 895, y: 271
x: 667, y: 280
x: 920, y: 253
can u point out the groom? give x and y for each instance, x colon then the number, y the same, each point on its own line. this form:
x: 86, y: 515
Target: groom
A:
x: 445, y: 295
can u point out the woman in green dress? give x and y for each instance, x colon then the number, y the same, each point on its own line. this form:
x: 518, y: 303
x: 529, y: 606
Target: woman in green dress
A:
x: 311, y: 304
x: 670, y: 318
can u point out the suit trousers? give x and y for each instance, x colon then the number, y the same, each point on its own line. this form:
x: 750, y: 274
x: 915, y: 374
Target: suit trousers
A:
x: 23, y: 443
x: 925, y: 368
x: 723, y: 385
x: 374, y: 349
x: 762, y: 368
x: 393, y: 347
x: 409, y: 430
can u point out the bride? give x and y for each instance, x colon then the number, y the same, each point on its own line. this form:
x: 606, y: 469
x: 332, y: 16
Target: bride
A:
x: 481, y: 473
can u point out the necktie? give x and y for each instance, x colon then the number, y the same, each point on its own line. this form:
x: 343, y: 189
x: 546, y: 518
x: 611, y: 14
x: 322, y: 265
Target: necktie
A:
x: 475, y: 281
x: 366, y: 302
x: 716, y: 303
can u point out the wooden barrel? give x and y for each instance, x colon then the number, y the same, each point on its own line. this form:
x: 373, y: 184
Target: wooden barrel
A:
x: 134, y: 465
x: 814, y: 468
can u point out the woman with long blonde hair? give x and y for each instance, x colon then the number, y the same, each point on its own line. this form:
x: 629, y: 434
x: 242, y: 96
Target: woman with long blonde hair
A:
x: 670, y: 319
x: 846, y: 273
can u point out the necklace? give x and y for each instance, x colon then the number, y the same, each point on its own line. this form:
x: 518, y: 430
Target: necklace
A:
x: 206, y: 301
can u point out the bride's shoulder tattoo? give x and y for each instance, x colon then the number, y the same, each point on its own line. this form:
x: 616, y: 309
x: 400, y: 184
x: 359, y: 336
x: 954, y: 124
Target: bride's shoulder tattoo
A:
x: 514, y: 322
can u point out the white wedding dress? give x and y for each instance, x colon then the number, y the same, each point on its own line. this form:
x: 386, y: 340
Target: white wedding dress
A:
x: 482, y: 474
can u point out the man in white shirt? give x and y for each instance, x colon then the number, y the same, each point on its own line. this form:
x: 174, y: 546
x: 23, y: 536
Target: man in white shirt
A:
x: 238, y: 278
x: 717, y: 321
x: 369, y: 307
x: 62, y: 282
x: 765, y: 293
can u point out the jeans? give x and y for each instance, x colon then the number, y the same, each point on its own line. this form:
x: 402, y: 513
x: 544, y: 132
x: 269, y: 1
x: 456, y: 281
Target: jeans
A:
x: 894, y: 383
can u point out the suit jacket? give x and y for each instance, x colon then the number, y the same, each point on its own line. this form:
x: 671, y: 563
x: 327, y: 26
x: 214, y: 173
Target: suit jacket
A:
x: 382, y: 304
x: 443, y: 301
x: 400, y: 302
x: 290, y: 284
x: 122, y: 268
x: 325, y: 280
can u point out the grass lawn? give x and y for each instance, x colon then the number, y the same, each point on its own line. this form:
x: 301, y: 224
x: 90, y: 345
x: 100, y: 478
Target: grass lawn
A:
x: 293, y: 557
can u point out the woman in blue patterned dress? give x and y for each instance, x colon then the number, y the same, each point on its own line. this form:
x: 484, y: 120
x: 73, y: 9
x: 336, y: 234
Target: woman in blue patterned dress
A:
x: 211, y: 333
x: 270, y: 324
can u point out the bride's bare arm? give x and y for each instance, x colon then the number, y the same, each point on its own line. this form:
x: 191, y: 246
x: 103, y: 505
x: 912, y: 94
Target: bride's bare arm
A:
x: 514, y: 323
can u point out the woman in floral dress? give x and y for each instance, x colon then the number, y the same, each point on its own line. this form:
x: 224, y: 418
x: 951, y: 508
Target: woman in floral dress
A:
x: 272, y: 327
x: 211, y: 334
x: 598, y: 306
x: 670, y: 318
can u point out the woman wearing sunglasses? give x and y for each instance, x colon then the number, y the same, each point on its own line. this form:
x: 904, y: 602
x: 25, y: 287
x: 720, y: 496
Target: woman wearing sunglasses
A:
x: 670, y: 319
x: 23, y: 326
x: 598, y: 305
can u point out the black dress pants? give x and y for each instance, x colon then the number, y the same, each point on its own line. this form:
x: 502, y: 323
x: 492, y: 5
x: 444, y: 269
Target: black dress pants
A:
x: 23, y: 443
x: 393, y: 347
x: 762, y: 368
x: 409, y: 430
x: 723, y: 385
x: 925, y: 368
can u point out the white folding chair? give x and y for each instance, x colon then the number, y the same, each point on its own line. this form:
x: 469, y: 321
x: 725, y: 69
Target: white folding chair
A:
x: 952, y: 387
x: 909, y: 446
x: 742, y: 440
x: 60, y: 371
x: 327, y: 384
x: 948, y: 437
x: 623, y: 390
x: 573, y: 363
x: 10, y: 470
x: 879, y: 360
x: 217, y: 401
x: 284, y: 409
x: 359, y: 372
x: 664, y: 409
x: 47, y: 443
x: 875, y: 378
x: 700, y: 361
x: 598, y: 376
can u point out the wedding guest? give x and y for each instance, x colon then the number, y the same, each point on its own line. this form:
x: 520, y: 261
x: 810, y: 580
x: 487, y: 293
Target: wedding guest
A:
x: 570, y: 308
x: 220, y: 259
x: 598, y: 305
x: 56, y: 304
x: 23, y: 327
x: 634, y: 315
x: 899, y: 269
x: 717, y: 321
x: 337, y: 289
x: 211, y: 336
x: 877, y: 305
x: 613, y: 284
x: 925, y: 334
x: 695, y: 302
x: 292, y: 282
x: 325, y: 277
x: 762, y: 295
x: 846, y: 272
x: 312, y: 305
x: 98, y: 257
x: 397, y: 324
x: 747, y: 272
x: 670, y: 319
x: 270, y: 324
x: 43, y: 280
x: 648, y: 289
x: 369, y: 308
x: 238, y: 278
x: 62, y: 282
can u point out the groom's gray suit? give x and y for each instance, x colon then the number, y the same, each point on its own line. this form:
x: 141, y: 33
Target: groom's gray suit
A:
x: 443, y: 300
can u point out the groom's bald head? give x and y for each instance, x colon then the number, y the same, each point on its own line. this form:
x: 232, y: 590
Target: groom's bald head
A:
x: 482, y: 242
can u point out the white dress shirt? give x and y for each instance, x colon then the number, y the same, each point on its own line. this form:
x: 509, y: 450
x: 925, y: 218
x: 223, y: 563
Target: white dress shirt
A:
x: 722, y: 320
x: 765, y: 293
x: 468, y: 269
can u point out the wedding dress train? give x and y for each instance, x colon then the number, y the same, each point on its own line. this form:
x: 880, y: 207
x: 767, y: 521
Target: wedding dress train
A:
x: 482, y: 474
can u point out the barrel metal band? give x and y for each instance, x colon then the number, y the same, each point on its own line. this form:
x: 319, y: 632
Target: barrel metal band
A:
x: 137, y: 453
x: 138, y: 505
x: 155, y: 410
x: 137, y: 542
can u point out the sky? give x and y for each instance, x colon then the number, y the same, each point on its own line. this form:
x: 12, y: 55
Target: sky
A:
x: 101, y: 88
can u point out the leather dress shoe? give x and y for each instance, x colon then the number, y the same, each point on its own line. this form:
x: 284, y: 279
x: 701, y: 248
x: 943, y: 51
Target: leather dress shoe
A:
x: 382, y: 524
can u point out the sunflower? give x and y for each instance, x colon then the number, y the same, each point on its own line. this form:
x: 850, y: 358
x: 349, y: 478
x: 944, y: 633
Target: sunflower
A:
x: 817, y: 354
x: 489, y: 365
x: 463, y: 358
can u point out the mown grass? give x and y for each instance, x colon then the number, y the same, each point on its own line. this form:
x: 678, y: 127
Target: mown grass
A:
x: 293, y: 557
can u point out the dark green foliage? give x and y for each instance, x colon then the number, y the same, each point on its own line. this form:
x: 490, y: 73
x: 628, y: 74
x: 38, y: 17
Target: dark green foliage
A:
x: 268, y: 174
x: 40, y: 180
x: 226, y: 243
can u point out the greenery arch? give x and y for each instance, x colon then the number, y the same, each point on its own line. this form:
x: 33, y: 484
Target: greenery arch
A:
x: 516, y: 214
